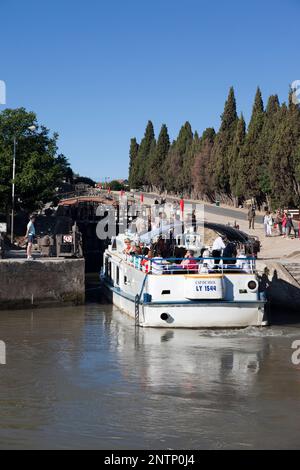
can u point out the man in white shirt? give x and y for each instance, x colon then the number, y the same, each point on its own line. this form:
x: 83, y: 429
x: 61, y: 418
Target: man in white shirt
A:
x: 217, y: 248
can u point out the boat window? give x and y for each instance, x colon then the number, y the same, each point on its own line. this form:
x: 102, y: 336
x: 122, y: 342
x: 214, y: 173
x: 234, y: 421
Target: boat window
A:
x: 125, y: 279
x: 117, y: 275
x: 165, y: 292
x: 106, y: 266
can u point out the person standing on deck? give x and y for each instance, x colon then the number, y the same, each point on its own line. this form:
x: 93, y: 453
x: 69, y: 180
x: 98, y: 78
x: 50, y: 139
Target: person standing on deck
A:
x: 30, y: 234
x: 217, y: 248
x: 251, y: 217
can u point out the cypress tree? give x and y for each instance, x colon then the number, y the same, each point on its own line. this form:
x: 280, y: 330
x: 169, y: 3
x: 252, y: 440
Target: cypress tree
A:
x: 184, y: 148
x: 265, y: 143
x: 237, y: 172
x: 294, y: 123
x: 202, y: 171
x: 133, y: 152
x: 177, y: 167
x: 281, y: 162
x: 159, y: 158
x: 223, y: 143
x: 139, y: 170
x: 251, y: 151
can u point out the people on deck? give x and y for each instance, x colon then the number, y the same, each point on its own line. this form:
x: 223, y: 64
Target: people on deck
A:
x: 243, y: 262
x: 217, y: 248
x: 128, y: 248
x: 158, y: 264
x: 189, y: 263
x: 229, y: 252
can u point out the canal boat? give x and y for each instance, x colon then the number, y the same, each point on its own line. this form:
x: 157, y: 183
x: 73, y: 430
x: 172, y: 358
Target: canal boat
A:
x: 167, y: 292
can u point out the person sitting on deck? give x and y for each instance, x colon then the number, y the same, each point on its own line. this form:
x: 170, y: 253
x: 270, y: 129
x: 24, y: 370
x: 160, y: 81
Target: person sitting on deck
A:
x: 243, y: 261
x: 158, y: 263
x: 145, y: 263
x: 206, y: 263
x: 189, y: 263
x: 137, y: 250
x: 128, y: 248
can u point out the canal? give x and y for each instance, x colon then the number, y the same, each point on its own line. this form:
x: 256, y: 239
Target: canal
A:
x: 81, y: 378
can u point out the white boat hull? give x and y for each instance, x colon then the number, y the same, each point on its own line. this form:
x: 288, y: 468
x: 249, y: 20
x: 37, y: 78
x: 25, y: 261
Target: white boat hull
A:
x: 210, y: 314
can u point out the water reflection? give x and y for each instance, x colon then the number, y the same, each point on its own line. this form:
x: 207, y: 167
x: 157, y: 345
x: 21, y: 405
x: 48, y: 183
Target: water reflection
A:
x: 188, y: 360
x: 82, y: 378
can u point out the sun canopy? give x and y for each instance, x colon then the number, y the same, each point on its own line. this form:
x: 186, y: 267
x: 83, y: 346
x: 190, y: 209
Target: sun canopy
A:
x: 230, y: 233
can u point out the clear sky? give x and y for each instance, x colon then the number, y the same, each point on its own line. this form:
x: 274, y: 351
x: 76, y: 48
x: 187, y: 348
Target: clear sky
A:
x: 96, y: 71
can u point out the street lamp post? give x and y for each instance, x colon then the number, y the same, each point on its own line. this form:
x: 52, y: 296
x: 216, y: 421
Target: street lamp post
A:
x: 13, y: 191
x: 30, y: 128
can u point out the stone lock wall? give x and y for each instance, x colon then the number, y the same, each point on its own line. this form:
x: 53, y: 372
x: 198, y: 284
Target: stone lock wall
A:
x: 50, y: 282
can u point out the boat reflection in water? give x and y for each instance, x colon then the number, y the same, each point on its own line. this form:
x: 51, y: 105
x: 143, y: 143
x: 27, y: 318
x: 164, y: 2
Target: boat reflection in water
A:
x: 190, y: 361
x: 84, y: 377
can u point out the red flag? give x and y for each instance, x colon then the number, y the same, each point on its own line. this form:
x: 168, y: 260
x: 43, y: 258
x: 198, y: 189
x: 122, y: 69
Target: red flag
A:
x: 182, y: 205
x: 108, y: 190
x: 142, y: 197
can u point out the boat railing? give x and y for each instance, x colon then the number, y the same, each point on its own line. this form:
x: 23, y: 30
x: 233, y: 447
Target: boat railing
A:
x: 204, y: 265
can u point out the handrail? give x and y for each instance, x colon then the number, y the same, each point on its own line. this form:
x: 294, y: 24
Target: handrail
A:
x: 215, y: 263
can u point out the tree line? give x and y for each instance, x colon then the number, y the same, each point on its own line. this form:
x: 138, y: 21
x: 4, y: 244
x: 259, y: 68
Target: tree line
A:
x: 237, y: 163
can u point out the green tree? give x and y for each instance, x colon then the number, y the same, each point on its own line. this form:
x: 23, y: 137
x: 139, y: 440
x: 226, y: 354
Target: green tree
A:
x: 223, y: 143
x: 202, y: 170
x: 39, y: 169
x: 281, y: 162
x: 265, y: 144
x: 158, y: 159
x: 251, y: 155
x: 140, y: 166
x: 133, y: 153
x: 237, y: 174
x: 179, y: 162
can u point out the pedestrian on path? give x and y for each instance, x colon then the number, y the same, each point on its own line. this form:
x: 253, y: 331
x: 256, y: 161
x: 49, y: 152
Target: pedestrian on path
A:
x: 268, y: 223
x: 289, y: 225
x: 278, y: 220
x: 251, y: 217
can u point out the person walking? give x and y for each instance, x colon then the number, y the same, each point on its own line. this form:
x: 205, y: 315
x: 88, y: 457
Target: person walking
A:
x: 284, y: 221
x: 251, y: 217
x: 278, y: 221
x: 289, y: 225
x: 30, y: 234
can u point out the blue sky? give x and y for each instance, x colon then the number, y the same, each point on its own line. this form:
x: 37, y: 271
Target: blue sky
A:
x: 96, y: 71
